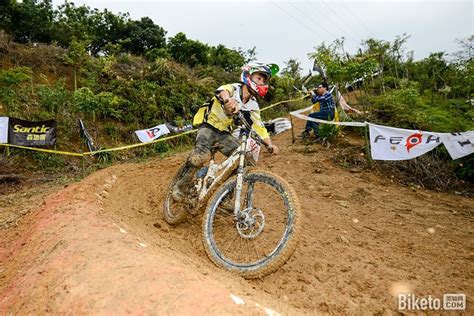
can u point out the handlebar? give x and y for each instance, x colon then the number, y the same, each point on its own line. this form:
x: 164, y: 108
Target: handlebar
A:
x: 243, y: 122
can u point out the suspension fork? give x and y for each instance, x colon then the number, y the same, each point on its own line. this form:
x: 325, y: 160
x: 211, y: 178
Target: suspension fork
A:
x: 240, y: 176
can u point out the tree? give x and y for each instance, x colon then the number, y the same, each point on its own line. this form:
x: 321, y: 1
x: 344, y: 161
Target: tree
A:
x: 397, y: 52
x: 292, y: 69
x: 142, y: 36
x: 188, y: 51
x: 249, y: 55
x: 464, y: 55
x: 463, y: 79
x: 105, y: 29
x: 29, y: 21
x: 435, y: 66
x: 7, y: 9
x: 76, y: 56
x: 71, y: 22
x: 226, y: 58
x: 378, y: 49
x: 332, y: 61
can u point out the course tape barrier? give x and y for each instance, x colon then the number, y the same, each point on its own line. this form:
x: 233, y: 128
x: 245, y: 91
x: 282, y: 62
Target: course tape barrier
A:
x: 44, y: 150
x: 90, y: 153
x: 304, y: 117
x: 285, y: 101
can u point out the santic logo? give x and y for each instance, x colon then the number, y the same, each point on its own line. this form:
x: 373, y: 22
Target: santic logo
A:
x: 37, y: 129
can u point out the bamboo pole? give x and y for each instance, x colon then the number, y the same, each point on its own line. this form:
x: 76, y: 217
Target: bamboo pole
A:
x: 367, y: 146
x: 293, y: 139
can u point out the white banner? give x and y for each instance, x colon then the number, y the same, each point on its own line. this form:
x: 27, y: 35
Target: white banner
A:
x: 148, y: 135
x: 388, y: 143
x: 458, y: 144
x: 3, y: 129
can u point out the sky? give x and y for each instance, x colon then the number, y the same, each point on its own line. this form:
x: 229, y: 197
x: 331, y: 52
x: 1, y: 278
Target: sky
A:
x: 283, y: 30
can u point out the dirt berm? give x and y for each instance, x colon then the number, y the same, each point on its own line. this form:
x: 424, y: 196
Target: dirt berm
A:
x: 101, y: 246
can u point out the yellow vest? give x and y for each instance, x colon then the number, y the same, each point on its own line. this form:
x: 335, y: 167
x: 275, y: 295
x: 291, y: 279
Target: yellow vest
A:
x: 215, y: 116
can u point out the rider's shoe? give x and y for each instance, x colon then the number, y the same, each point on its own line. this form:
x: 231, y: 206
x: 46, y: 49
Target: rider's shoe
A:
x: 177, y: 194
x: 304, y: 135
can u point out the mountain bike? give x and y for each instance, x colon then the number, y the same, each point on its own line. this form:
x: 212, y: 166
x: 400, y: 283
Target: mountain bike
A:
x: 251, y: 222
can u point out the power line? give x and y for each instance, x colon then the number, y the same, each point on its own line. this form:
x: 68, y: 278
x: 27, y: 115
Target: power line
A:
x: 357, y: 19
x: 319, y: 26
x: 336, y: 15
x: 297, y: 20
x: 325, y: 15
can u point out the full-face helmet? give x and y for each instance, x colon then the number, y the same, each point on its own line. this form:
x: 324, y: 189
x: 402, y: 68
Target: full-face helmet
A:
x: 267, y: 70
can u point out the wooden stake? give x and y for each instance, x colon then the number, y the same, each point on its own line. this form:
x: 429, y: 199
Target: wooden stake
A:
x: 367, y: 146
x: 293, y: 139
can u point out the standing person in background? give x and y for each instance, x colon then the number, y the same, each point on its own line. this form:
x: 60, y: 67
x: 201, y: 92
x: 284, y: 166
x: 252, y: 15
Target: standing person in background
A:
x: 326, y: 109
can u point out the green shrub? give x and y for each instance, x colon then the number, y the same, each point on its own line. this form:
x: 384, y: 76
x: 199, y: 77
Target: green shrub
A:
x: 328, y: 132
x: 109, y: 105
x: 465, y: 168
x: 46, y: 161
x: 53, y: 98
x: 15, y: 76
x: 155, y: 53
x: 105, y: 157
x: 86, y: 102
x: 9, y: 98
x: 111, y: 130
x: 405, y: 108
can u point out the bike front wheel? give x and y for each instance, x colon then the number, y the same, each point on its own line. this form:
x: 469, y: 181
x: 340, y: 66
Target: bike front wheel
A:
x: 263, y: 236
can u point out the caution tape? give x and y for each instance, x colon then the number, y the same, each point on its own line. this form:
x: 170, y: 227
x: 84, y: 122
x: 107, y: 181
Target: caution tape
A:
x: 138, y: 145
x: 44, y: 150
x: 286, y: 101
x: 89, y: 153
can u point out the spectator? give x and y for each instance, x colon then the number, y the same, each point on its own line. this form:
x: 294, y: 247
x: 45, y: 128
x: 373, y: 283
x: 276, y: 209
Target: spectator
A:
x: 324, y: 99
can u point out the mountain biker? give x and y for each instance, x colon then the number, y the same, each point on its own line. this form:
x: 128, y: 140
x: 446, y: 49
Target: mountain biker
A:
x: 217, y: 127
x: 326, y: 109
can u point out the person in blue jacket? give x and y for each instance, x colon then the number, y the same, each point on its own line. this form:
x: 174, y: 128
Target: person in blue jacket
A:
x: 324, y: 99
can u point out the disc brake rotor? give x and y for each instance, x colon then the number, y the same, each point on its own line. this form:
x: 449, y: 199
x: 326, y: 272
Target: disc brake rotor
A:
x: 251, y: 223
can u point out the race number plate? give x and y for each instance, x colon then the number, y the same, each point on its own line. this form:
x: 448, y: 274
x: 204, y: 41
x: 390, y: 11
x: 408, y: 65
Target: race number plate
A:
x: 253, y: 150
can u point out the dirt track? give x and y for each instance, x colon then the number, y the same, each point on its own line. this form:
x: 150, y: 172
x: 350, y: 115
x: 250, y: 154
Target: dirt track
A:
x: 101, y: 246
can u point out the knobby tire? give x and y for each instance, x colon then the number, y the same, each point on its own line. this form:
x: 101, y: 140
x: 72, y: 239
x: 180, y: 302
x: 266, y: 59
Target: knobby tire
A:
x: 290, y: 224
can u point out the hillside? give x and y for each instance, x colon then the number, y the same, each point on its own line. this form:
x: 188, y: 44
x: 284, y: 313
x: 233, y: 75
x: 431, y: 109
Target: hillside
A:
x: 101, y: 246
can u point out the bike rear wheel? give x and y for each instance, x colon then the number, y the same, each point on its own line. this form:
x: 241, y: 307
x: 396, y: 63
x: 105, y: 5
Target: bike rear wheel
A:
x: 266, y: 234
x: 174, y: 212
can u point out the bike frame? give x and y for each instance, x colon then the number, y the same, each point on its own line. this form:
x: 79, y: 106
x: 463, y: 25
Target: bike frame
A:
x: 217, y: 171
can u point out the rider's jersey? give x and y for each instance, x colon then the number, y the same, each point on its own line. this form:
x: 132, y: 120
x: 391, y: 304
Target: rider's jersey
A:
x: 223, y: 122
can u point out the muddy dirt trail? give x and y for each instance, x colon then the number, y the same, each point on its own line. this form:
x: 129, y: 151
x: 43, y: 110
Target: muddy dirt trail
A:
x: 101, y: 246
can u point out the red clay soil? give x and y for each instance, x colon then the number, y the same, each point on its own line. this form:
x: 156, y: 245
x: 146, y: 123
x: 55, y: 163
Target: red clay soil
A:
x: 101, y: 246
